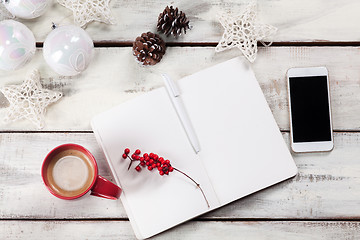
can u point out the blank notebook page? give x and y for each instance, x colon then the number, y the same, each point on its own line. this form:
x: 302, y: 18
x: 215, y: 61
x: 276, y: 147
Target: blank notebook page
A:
x: 154, y: 203
x: 241, y: 146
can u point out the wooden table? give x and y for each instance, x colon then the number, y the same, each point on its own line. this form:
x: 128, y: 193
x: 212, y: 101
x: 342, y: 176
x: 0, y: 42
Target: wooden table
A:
x: 321, y: 202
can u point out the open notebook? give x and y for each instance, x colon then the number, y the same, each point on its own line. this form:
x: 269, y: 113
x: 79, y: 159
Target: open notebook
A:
x: 242, y: 149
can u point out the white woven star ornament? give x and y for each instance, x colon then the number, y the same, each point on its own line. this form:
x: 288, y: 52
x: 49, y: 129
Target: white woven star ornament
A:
x: 29, y: 100
x: 87, y: 11
x: 243, y: 32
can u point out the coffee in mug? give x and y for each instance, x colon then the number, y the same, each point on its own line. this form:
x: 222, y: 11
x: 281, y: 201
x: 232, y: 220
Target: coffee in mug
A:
x: 69, y: 171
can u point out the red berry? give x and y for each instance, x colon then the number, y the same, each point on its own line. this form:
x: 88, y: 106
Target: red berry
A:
x: 150, y: 168
x: 154, y: 165
x: 171, y: 169
x: 151, y: 155
x: 158, y: 164
x: 161, y: 173
x: 142, y: 163
x: 124, y: 155
x: 127, y: 151
x: 147, y: 159
x: 155, y: 157
x: 160, y: 168
x: 167, y: 162
x: 162, y: 161
x: 133, y: 156
x: 138, y: 168
x: 167, y: 173
x: 137, y: 152
x: 151, y: 161
x: 145, y: 155
x: 142, y: 159
x: 147, y: 163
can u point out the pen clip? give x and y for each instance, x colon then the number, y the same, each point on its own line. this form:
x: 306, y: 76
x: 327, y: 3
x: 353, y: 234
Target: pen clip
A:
x: 171, y: 85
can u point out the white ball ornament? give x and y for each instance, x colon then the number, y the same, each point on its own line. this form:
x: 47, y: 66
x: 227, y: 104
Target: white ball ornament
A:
x: 68, y: 50
x: 27, y: 9
x: 17, y: 45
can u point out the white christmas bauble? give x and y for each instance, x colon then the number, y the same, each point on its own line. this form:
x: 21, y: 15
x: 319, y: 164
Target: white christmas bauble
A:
x: 27, y: 9
x: 17, y: 45
x: 68, y: 50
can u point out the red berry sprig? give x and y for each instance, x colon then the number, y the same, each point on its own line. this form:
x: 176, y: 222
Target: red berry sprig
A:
x: 153, y: 161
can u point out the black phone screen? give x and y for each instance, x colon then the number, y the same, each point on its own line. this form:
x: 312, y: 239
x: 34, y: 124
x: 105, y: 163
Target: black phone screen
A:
x: 310, y: 110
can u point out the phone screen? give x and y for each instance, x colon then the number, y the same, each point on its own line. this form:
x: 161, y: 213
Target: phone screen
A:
x: 310, y: 112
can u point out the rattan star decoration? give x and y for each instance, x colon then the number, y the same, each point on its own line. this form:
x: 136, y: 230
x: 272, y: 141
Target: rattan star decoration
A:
x: 87, y: 11
x: 244, y: 31
x: 29, y: 100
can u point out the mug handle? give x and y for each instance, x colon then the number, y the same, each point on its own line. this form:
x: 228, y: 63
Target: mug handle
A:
x: 105, y: 189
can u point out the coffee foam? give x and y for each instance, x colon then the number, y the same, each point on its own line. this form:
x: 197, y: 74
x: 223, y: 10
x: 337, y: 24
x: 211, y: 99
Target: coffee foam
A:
x: 70, y: 173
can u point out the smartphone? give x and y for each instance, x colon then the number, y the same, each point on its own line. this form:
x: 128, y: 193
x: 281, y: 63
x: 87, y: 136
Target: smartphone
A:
x: 310, y: 111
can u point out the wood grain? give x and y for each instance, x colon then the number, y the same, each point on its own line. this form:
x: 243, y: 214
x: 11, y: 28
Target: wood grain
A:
x: 327, y: 186
x: 297, y: 20
x: 192, y: 230
x: 114, y: 76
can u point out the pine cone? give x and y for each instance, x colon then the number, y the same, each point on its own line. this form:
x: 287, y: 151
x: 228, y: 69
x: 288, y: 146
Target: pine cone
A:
x: 149, y: 48
x: 170, y: 21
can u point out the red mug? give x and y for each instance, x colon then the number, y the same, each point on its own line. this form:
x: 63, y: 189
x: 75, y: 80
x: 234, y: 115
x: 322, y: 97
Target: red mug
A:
x: 69, y: 171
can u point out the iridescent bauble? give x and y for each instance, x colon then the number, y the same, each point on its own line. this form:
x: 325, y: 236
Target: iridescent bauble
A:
x: 27, y: 9
x: 17, y: 45
x: 68, y: 50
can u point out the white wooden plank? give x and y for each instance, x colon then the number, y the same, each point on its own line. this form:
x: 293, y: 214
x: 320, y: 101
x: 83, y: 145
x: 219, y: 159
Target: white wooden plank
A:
x: 22, y: 191
x: 114, y: 77
x: 327, y: 186
x: 192, y: 230
x: 297, y: 20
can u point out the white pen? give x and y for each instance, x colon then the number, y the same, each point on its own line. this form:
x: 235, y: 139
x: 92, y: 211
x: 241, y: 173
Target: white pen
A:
x: 174, y: 95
